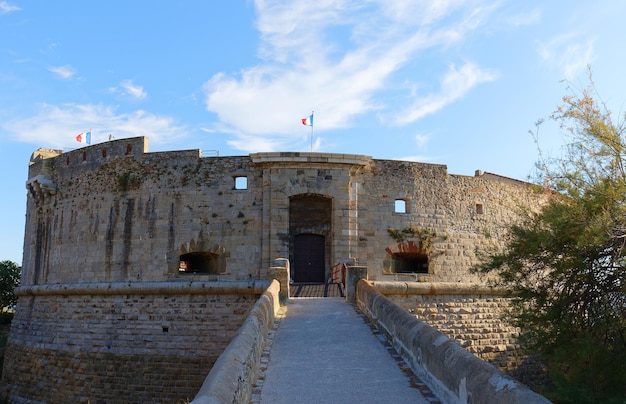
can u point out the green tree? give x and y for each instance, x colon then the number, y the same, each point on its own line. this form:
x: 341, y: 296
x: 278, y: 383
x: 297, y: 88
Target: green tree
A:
x: 9, y: 280
x: 565, y: 263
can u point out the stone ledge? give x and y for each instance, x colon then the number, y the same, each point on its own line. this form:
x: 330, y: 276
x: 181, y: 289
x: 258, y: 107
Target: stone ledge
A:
x: 435, y: 288
x: 300, y: 157
x: 146, y: 288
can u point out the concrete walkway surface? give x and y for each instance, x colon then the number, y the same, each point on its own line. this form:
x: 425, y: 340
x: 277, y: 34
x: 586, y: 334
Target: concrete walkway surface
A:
x: 323, y: 351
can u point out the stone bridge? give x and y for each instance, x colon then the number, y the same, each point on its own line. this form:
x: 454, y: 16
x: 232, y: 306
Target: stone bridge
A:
x: 434, y: 368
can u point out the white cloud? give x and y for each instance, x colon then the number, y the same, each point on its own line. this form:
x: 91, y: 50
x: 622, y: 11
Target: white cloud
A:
x: 6, y: 8
x: 421, y: 140
x: 133, y: 90
x: 569, y: 53
x: 336, y: 57
x: 455, y: 84
x: 56, y: 126
x: 65, y: 72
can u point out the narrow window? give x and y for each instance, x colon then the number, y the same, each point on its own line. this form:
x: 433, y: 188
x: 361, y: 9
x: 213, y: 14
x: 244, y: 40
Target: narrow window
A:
x: 104, y: 152
x: 241, y: 182
x: 400, y: 206
x: 84, y: 156
x: 129, y: 148
x: 479, y: 208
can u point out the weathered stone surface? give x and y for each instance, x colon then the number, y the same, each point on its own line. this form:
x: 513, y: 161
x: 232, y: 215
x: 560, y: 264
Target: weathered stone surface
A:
x: 112, y: 213
x: 454, y: 375
x: 119, y: 213
x: 123, y: 348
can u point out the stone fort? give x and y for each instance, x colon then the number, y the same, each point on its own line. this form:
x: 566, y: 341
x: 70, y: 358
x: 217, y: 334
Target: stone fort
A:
x: 139, y: 267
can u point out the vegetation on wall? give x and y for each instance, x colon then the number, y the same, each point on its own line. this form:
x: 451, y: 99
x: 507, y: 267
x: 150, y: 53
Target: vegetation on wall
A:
x: 128, y: 181
x: 567, y: 262
x: 425, y: 235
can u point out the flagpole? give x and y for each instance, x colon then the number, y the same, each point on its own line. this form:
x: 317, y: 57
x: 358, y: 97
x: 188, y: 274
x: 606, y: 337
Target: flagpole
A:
x: 312, y: 131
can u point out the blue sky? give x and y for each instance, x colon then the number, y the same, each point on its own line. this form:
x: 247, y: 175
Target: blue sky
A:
x: 441, y: 81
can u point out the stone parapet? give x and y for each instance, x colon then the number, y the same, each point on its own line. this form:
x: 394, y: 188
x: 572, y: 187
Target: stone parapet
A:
x: 454, y: 375
x: 300, y: 157
x: 235, y: 371
x: 436, y: 288
x: 469, y: 314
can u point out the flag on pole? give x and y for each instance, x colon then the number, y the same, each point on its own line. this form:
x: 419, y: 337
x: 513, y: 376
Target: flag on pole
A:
x: 308, y: 121
x: 84, y: 137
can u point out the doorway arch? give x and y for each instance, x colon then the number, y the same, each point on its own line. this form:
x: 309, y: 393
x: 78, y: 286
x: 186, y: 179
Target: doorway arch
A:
x: 310, y: 233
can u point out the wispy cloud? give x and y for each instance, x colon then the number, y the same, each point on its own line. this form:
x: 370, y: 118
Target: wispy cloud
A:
x: 527, y: 18
x: 133, y: 90
x: 337, y: 57
x: 6, y: 8
x: 65, y: 72
x: 569, y: 53
x: 455, y: 84
x: 56, y: 126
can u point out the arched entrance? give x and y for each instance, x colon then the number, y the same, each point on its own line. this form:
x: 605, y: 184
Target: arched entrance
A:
x: 310, y: 237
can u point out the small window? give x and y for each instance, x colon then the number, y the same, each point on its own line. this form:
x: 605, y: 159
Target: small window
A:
x: 198, y: 262
x: 84, y: 156
x: 479, y: 208
x: 104, y: 152
x: 400, y: 206
x: 129, y: 148
x: 410, y: 263
x: 241, y: 182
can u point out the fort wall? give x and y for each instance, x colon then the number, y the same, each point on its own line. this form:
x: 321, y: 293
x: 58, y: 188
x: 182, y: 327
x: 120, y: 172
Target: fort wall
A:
x: 113, y: 212
x: 140, y: 342
x: 116, y: 214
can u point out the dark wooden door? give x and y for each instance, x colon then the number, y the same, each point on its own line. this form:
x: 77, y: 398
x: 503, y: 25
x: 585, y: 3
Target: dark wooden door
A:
x: 309, y: 261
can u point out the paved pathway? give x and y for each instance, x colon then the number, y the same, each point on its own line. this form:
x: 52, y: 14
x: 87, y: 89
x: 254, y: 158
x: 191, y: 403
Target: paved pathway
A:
x: 323, y: 351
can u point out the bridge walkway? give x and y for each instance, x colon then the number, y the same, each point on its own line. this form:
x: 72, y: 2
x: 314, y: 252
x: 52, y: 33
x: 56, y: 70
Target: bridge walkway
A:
x: 324, y: 351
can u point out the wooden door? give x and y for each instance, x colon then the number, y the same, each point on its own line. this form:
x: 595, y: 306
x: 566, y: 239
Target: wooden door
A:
x: 309, y: 260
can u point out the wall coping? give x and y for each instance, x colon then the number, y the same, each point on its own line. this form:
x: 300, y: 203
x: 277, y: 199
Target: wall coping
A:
x: 255, y: 287
x: 436, y: 288
x: 299, y: 157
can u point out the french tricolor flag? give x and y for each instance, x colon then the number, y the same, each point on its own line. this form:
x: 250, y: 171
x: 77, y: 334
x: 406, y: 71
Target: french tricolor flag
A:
x: 84, y: 137
x: 308, y: 121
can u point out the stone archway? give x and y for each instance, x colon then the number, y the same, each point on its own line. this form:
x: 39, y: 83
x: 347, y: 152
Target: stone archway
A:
x: 407, y: 257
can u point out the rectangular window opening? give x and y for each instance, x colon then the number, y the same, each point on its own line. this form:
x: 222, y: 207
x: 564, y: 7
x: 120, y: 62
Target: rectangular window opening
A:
x: 400, y: 206
x: 241, y: 182
x: 406, y: 263
x: 479, y: 208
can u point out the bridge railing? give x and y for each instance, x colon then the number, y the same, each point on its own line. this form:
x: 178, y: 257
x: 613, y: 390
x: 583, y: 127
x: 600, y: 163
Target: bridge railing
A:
x: 338, y: 273
x: 452, y: 373
x: 231, y: 377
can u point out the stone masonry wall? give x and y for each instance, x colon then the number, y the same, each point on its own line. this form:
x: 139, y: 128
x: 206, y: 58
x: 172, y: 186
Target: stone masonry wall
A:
x: 116, y: 216
x: 468, y: 214
x: 474, y: 322
x: 136, y: 348
x: 129, y: 218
